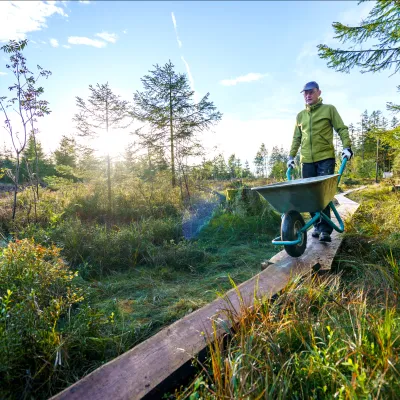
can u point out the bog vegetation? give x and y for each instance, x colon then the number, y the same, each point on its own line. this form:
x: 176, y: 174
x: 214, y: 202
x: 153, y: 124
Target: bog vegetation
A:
x: 97, y: 254
x: 325, y: 336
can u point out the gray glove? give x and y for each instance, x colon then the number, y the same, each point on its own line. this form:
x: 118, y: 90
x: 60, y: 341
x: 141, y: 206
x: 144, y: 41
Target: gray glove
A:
x: 290, y: 163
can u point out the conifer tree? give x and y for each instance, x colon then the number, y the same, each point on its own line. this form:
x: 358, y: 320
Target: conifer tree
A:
x: 103, y: 111
x: 172, y: 116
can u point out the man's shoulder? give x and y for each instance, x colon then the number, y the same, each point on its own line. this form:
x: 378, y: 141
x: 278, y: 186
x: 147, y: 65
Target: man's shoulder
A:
x: 303, y: 111
x: 328, y: 106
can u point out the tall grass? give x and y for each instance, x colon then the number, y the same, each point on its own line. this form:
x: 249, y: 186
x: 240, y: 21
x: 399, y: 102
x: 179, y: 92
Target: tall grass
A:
x: 136, y: 273
x: 324, y: 337
x: 316, y: 341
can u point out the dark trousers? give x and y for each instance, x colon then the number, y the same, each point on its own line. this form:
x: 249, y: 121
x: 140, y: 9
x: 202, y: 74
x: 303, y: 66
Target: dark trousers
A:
x: 320, y: 168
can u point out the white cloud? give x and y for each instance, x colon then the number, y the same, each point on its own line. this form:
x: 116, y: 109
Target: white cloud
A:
x: 86, y: 41
x: 66, y: 46
x: 84, y: 1
x: 108, y: 37
x: 251, y: 77
x: 54, y: 42
x: 125, y: 31
x: 354, y: 15
x: 309, y: 49
x: 3, y: 73
x: 176, y: 29
x: 17, y: 18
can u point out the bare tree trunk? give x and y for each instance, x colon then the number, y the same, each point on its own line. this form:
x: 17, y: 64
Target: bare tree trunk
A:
x: 108, y: 166
x: 362, y: 142
x: 37, y: 165
x: 16, y: 181
x: 109, y: 181
x: 173, y: 181
x: 180, y: 187
x: 33, y: 187
x: 185, y: 178
x: 377, y: 161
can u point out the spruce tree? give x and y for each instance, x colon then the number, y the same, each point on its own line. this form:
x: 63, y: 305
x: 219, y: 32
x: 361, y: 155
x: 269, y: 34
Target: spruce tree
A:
x: 172, y: 117
x: 102, y: 111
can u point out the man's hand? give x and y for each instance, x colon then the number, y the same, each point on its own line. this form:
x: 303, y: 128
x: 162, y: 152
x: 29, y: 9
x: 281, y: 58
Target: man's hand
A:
x: 290, y: 163
x: 347, y: 153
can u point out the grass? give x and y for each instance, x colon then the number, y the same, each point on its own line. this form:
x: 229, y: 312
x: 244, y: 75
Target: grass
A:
x: 324, y: 337
x: 136, y: 271
x: 148, y: 299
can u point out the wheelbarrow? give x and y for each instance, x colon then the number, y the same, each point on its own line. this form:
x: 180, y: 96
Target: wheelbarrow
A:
x: 297, y: 196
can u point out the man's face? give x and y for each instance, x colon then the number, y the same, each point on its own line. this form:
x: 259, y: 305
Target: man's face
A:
x: 311, y: 96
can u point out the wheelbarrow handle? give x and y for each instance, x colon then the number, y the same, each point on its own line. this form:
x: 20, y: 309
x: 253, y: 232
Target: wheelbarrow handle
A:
x: 289, y: 174
x: 341, y: 170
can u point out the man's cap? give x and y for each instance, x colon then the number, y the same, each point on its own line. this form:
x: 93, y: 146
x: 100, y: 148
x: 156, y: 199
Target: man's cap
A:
x: 310, y: 85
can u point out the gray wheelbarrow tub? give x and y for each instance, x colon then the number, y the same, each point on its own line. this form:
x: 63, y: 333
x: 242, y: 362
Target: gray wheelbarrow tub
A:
x: 302, y: 195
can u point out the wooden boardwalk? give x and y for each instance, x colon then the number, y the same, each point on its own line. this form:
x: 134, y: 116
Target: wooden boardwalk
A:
x: 150, y: 368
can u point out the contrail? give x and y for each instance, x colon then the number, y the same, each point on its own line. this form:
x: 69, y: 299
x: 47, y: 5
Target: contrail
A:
x: 191, y: 80
x: 176, y: 30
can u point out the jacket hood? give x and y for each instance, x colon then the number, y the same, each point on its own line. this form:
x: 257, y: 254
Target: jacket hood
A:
x: 314, y: 106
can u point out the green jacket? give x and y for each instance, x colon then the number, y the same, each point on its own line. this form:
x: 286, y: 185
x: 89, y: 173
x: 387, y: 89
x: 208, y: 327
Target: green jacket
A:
x: 314, y: 133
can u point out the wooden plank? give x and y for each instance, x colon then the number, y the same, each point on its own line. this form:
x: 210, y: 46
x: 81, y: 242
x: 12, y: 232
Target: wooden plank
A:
x: 137, y: 373
x: 318, y: 252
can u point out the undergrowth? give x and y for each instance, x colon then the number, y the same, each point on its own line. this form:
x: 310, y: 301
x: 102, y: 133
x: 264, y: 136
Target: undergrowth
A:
x: 85, y: 285
x: 330, y: 336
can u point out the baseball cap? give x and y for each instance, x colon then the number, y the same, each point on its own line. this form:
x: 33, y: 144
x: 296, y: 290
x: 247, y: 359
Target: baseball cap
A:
x: 310, y: 85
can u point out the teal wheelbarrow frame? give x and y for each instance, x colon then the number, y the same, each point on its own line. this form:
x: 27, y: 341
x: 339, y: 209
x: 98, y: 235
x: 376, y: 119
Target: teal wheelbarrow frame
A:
x: 293, y: 197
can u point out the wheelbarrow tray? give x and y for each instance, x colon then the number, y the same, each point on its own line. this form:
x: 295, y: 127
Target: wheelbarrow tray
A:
x: 302, y: 195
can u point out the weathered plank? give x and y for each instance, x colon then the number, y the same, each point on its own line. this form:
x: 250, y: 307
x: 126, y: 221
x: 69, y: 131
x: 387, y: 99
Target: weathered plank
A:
x: 318, y: 252
x: 137, y: 373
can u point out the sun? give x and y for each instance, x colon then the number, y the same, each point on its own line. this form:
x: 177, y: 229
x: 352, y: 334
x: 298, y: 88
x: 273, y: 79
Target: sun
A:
x: 113, y: 143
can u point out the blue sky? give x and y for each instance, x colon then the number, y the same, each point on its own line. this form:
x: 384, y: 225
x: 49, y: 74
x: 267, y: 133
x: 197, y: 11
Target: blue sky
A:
x: 253, y: 58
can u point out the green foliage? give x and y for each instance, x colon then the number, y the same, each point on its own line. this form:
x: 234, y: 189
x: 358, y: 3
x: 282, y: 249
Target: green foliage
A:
x: 167, y: 106
x: 35, y: 164
x: 118, y: 249
x: 66, y: 153
x: 36, y: 290
x: 27, y: 103
x: 378, y: 216
x: 261, y: 161
x: 364, y: 169
x: 246, y: 202
x: 49, y: 334
x: 396, y: 166
x: 382, y: 25
x: 102, y: 112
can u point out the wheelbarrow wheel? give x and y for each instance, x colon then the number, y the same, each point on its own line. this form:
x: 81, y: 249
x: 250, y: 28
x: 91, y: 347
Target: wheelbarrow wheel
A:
x: 292, y: 223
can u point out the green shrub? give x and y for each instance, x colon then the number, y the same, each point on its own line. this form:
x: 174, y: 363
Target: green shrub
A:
x: 50, y: 336
x: 246, y: 202
x: 36, y: 290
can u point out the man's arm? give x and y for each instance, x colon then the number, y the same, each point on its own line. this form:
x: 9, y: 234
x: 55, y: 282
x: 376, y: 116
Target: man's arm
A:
x: 340, y: 128
x: 296, y: 141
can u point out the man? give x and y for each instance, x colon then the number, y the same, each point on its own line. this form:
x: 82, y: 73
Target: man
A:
x: 314, y: 133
